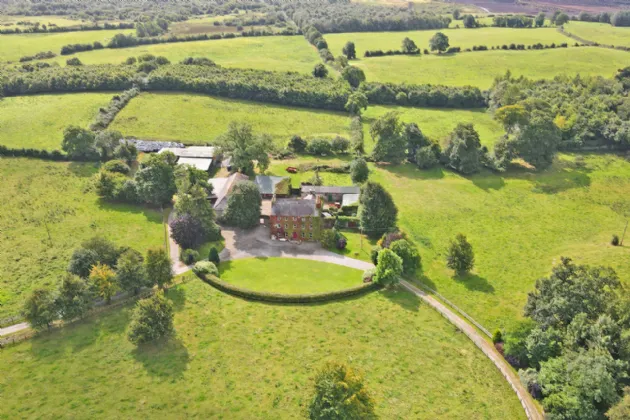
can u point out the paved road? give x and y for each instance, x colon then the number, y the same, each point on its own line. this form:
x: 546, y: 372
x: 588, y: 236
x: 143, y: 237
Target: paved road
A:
x: 487, y: 348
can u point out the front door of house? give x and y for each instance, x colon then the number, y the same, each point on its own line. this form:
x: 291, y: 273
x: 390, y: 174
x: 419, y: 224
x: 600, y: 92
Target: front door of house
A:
x: 294, y: 235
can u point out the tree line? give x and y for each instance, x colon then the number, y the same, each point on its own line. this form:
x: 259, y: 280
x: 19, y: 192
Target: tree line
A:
x: 37, y: 29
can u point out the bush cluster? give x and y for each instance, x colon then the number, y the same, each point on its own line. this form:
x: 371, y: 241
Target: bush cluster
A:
x: 381, y: 53
x: 39, y: 56
x: 55, y: 29
x: 281, y: 298
x: 118, y: 102
x: 73, y: 48
x: 513, y: 21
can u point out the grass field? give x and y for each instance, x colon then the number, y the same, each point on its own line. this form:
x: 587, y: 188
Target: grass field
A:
x: 199, y: 119
x: 243, y: 360
x: 36, y: 191
x: 464, y: 38
x: 481, y: 68
x: 278, y: 53
x: 289, y: 276
x: 206, y: 24
x: 38, y: 121
x: 10, y: 22
x: 602, y: 33
x: 436, y: 123
x: 278, y: 167
x: 519, y: 224
x: 13, y: 47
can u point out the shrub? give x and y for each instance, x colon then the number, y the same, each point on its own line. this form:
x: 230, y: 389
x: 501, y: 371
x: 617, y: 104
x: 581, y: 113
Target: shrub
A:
x: 341, y: 242
x: 321, y: 147
x: 328, y: 239
x: 359, y: 171
x: 340, y: 144
x: 401, y: 98
x: 297, y: 144
x: 368, y: 275
x: 40, y: 309
x: 203, y: 268
x: 320, y: 71
x: 374, y: 254
x: 82, y: 261
x: 497, y: 337
x: 388, y: 238
x: 615, y: 240
x: 74, y: 62
x: 213, y: 256
x: 152, y: 319
x: 117, y: 166
x: 189, y: 256
x: 408, y: 253
x: 389, y: 268
x: 425, y: 157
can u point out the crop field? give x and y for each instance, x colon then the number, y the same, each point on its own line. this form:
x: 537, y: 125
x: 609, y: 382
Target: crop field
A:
x: 602, y: 33
x: 277, y: 53
x: 198, y: 119
x: 481, y: 68
x: 37, y: 193
x: 237, y: 359
x: 519, y: 224
x: 38, y: 121
x: 278, y: 275
x: 464, y: 38
x: 437, y: 123
x: 13, y: 47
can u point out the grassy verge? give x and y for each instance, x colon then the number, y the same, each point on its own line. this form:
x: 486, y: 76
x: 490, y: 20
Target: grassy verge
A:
x: 416, y: 364
x: 38, y: 121
x: 36, y: 193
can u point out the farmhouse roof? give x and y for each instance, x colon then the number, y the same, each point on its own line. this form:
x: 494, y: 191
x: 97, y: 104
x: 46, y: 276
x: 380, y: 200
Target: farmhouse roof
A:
x: 293, y: 207
x: 349, y: 199
x: 267, y: 184
x: 191, y: 152
x: 199, y: 163
x: 329, y: 189
x: 226, y: 186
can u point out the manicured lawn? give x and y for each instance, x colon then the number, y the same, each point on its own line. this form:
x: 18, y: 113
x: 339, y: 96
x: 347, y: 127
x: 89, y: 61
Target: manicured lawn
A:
x: 278, y: 167
x: 358, y: 247
x: 34, y: 191
x: 481, y: 68
x: 519, y: 224
x: 237, y: 359
x: 13, y: 47
x: 463, y: 38
x: 289, y: 276
x: 199, y: 119
x: 437, y: 123
x: 278, y: 53
x: 39, y: 121
x: 602, y: 33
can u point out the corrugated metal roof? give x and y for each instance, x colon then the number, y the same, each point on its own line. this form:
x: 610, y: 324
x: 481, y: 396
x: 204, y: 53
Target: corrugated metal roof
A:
x: 267, y: 184
x: 350, y: 199
x: 199, y: 163
x: 293, y: 207
x: 226, y: 188
x: 191, y: 152
x: 324, y: 189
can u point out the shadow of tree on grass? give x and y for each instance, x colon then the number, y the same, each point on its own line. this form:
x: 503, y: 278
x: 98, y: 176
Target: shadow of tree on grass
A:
x: 474, y: 282
x: 167, y: 358
x: 403, y: 298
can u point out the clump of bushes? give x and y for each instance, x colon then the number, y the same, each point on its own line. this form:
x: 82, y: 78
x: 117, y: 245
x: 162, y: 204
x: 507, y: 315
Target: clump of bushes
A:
x: 117, y: 166
x: 333, y: 239
x: 189, y: 256
x: 206, y: 268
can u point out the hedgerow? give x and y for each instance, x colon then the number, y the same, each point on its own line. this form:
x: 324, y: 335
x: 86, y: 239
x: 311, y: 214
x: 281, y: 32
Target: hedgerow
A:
x: 424, y: 95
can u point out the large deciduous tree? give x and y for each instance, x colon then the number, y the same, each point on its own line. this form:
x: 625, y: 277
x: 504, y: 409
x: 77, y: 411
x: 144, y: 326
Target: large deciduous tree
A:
x: 353, y: 75
x: 460, y: 256
x: 356, y: 102
x: 463, y: 150
x: 408, y: 253
x: 349, y: 50
x: 105, y: 281
x: 244, y: 147
x: 439, y: 42
x: 106, y: 143
x: 409, y: 47
x: 359, y: 171
x: 157, y: 267
x: 155, y: 181
x: 341, y: 394
x: 391, y: 142
x: 389, y: 268
x: 243, y: 206
x: 540, y: 20
x: 377, y: 211
x: 74, y: 298
x: 130, y: 272
x: 40, y: 309
x: 79, y: 143
x: 152, y: 319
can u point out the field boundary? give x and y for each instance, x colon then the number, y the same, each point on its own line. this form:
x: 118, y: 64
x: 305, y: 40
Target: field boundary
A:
x: 591, y: 43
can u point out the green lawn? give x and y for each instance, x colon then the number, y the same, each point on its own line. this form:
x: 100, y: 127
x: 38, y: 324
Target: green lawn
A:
x: 519, y: 224
x: 358, y: 247
x: 289, y: 276
x: 236, y: 359
x: 278, y: 53
x: 481, y: 68
x: 34, y: 191
x: 38, y: 121
x: 463, y: 38
x: 602, y: 33
x: 13, y: 47
x: 437, y: 123
x: 278, y: 167
x: 198, y: 119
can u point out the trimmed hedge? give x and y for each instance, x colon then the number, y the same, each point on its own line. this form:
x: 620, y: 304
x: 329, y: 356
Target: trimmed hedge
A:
x: 282, y: 298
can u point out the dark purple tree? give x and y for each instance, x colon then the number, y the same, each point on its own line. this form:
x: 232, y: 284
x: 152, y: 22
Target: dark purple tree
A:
x: 187, y: 231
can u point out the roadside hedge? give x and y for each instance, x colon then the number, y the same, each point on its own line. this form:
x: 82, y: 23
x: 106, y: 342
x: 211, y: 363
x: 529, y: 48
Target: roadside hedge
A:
x: 282, y: 298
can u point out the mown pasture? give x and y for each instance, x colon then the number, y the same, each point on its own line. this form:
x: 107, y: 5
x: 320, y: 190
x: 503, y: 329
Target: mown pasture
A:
x: 463, y: 38
x: 232, y: 358
x: 13, y: 47
x: 278, y: 275
x: 602, y: 33
x: 41, y: 198
x: 519, y: 223
x: 38, y: 121
x: 199, y: 119
x: 437, y: 123
x: 277, y: 53
x: 482, y: 67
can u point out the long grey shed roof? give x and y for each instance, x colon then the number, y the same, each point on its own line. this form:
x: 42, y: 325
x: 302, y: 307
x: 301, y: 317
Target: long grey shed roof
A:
x: 323, y: 189
x: 191, y: 152
x: 293, y: 207
x: 267, y: 184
